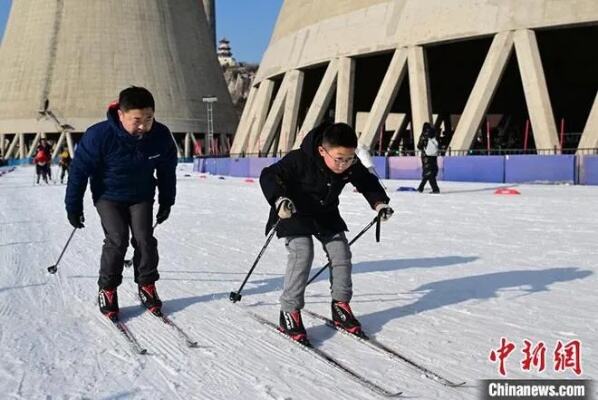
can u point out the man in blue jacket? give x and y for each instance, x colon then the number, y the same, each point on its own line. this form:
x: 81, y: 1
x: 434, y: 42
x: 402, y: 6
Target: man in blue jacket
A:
x: 119, y: 157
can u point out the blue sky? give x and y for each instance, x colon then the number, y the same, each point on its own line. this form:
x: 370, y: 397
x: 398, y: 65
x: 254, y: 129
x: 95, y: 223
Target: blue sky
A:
x: 247, y: 24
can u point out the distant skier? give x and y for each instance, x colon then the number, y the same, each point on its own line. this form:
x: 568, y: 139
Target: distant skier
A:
x: 428, y: 145
x: 65, y: 161
x: 120, y: 156
x: 43, y: 156
x: 303, y: 189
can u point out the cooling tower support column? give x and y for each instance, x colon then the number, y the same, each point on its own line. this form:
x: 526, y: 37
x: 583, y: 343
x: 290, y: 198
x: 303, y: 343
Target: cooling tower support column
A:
x: 264, y: 96
x: 22, y: 149
x: 69, y: 143
x: 12, y: 146
x: 385, y: 97
x: 344, y: 90
x: 589, y: 137
x: 419, y: 90
x: 274, y: 117
x: 483, y: 90
x: 188, y: 145
x: 535, y: 90
x: 320, y: 103
x: 59, y: 145
x: 288, y: 131
x: 34, y: 144
x: 242, y: 135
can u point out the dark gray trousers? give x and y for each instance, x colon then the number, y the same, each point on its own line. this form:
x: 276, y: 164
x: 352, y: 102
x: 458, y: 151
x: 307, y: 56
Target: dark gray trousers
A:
x: 117, y: 218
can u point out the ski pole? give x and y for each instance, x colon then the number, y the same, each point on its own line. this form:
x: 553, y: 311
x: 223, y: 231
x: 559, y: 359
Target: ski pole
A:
x: 128, y: 263
x: 236, y: 296
x: 53, y: 268
x: 376, y: 220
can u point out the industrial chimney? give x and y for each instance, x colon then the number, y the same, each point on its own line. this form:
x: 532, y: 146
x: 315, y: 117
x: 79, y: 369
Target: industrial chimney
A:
x: 63, y: 61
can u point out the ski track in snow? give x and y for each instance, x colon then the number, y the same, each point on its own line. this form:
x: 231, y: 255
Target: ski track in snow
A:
x: 452, y: 274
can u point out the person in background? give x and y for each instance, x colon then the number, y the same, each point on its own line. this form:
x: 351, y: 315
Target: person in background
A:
x: 43, y: 160
x: 64, y: 162
x: 428, y: 146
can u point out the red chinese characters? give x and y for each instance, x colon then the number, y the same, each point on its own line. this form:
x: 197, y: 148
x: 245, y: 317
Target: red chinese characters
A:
x: 501, y: 354
x: 534, y: 357
x: 568, y: 356
x: 565, y: 356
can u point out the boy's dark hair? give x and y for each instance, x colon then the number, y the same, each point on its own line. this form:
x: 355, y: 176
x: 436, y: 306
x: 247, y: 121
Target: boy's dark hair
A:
x: 134, y: 98
x: 339, y: 135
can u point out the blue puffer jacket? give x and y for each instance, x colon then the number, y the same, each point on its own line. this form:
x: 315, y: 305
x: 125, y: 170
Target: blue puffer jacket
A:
x: 121, y: 166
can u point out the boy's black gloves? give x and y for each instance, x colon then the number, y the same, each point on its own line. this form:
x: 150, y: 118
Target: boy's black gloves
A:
x: 284, y: 207
x: 163, y: 213
x: 385, y: 211
x: 76, y: 219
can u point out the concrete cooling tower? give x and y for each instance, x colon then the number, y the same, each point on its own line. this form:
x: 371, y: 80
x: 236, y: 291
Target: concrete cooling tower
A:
x: 490, y: 75
x: 63, y: 61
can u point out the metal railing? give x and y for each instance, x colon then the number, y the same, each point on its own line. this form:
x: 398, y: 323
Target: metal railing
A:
x: 446, y: 152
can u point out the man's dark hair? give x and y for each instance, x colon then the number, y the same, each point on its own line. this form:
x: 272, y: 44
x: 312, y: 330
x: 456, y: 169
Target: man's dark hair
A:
x: 135, y: 98
x: 339, y: 135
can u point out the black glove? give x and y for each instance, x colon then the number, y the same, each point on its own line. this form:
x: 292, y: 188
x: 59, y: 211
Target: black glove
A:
x: 76, y: 219
x: 163, y: 213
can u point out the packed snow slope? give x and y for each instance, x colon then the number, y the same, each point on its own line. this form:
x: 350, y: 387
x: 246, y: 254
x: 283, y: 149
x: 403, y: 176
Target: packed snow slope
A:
x: 452, y: 274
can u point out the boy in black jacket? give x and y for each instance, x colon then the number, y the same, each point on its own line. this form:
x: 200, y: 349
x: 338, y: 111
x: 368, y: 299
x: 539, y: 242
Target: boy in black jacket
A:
x: 303, y: 189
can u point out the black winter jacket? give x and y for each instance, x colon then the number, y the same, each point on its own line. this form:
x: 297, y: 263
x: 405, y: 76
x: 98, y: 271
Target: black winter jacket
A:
x: 303, y: 177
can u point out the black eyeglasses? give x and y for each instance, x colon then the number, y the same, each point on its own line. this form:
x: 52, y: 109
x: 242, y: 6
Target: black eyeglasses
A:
x: 342, y: 160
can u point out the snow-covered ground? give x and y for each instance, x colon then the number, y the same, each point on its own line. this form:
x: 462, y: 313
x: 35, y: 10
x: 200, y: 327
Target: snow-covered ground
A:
x: 452, y: 275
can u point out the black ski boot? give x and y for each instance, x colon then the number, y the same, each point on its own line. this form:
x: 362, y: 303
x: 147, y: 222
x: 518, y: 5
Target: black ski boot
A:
x: 343, y: 317
x: 108, y: 302
x: 291, y: 325
x: 149, y: 298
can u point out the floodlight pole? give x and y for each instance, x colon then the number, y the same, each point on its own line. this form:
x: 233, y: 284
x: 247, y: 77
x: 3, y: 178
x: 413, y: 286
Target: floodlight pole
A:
x: 210, y: 100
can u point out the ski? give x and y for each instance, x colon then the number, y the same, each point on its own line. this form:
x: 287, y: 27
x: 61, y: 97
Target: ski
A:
x: 124, y: 330
x: 328, y: 359
x: 375, y: 344
x: 182, y: 334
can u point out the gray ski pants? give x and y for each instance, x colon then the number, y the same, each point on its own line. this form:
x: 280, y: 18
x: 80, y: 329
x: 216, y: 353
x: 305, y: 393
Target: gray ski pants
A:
x: 300, y: 258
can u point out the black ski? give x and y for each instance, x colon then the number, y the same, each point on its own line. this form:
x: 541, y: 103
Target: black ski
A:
x: 375, y: 344
x: 124, y: 330
x: 328, y: 359
x: 182, y: 334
